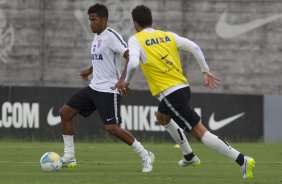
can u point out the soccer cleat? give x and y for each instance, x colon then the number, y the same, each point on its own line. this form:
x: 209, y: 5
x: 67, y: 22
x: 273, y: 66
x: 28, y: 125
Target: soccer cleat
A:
x: 147, y: 162
x: 69, y: 162
x: 195, y: 161
x: 247, y: 167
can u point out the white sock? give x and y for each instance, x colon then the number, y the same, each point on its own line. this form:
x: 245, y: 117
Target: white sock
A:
x: 68, y: 145
x: 138, y: 148
x: 217, y: 144
x: 179, y: 137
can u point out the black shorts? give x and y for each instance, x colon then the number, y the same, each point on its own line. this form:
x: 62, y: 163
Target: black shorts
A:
x: 87, y: 100
x: 176, y: 105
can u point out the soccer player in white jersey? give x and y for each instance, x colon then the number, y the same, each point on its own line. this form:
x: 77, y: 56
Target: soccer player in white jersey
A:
x: 106, y: 48
x: 157, y: 53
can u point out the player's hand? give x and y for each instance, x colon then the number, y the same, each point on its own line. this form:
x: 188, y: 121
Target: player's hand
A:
x: 84, y: 75
x: 210, y: 80
x: 122, y: 87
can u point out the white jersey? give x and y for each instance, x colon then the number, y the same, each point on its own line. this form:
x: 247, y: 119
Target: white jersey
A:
x: 107, y: 50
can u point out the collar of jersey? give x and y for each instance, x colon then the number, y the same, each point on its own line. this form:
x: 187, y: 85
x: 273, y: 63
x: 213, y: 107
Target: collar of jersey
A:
x: 149, y: 29
x: 103, y: 32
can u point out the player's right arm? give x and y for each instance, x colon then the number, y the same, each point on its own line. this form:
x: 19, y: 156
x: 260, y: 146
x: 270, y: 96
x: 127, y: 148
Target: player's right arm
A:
x: 134, y: 57
x: 85, y: 73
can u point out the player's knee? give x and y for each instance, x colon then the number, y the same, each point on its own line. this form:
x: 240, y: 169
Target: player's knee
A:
x: 163, y: 119
x: 198, y: 131
x: 65, y: 113
x: 111, y: 129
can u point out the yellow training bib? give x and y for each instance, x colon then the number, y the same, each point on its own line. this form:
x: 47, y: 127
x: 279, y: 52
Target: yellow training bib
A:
x: 162, y: 67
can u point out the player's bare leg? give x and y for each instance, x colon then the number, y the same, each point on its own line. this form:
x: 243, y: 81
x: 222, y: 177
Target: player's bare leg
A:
x: 124, y: 135
x: 120, y: 133
x: 67, y: 114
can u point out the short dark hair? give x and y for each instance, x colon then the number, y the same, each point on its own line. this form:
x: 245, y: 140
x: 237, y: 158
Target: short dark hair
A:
x: 142, y: 15
x: 100, y: 9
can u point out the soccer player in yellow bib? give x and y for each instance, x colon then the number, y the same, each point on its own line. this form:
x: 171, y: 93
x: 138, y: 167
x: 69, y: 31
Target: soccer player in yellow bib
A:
x: 157, y: 53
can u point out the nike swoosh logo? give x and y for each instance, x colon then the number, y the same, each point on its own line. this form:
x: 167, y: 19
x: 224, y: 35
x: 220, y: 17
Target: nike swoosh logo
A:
x: 109, y: 119
x: 53, y: 120
x: 164, y: 57
x: 226, y: 30
x: 215, y: 125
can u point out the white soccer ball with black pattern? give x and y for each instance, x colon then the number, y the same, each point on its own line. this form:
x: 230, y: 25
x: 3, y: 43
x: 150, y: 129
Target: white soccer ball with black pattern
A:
x: 50, y: 161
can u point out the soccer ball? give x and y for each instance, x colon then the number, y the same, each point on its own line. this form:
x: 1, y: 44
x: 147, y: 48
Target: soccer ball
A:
x: 50, y: 161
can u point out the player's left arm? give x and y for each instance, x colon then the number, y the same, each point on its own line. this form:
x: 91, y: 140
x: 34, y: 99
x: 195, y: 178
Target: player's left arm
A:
x: 119, y: 46
x: 120, y: 85
x: 131, y: 64
x: 126, y: 57
x: 209, y: 79
x: 123, y: 84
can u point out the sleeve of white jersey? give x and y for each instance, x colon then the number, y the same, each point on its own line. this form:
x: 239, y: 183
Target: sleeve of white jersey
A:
x: 119, y: 45
x: 134, y: 57
x: 188, y: 45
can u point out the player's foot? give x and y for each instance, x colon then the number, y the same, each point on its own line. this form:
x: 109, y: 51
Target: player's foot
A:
x: 195, y: 161
x: 69, y: 162
x: 147, y: 162
x: 247, y: 167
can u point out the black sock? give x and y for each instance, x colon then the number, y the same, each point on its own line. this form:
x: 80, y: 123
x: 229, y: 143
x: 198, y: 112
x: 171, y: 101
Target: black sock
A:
x: 240, y: 159
x: 189, y: 156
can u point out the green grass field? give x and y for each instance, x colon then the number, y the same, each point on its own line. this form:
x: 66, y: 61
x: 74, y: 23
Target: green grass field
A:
x: 116, y: 163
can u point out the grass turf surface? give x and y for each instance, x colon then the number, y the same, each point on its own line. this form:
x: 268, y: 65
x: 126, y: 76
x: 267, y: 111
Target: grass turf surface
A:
x: 106, y: 163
